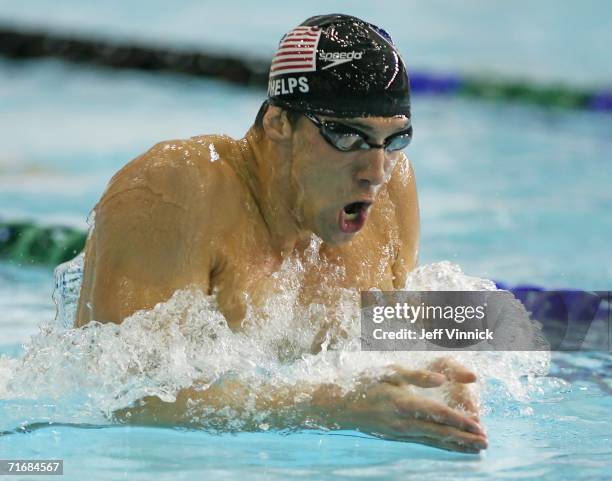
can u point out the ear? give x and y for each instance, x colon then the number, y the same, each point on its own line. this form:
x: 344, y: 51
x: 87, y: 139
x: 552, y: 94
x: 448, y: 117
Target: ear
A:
x: 276, y: 124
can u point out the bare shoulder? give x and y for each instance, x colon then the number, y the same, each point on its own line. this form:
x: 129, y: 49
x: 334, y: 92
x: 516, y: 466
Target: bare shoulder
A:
x: 177, y: 171
x: 170, y: 192
x: 402, y: 185
x: 154, y: 225
x: 403, y: 197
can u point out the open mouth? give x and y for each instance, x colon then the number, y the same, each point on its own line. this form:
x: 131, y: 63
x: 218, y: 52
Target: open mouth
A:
x: 353, y: 216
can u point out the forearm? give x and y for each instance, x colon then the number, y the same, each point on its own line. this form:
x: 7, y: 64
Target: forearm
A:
x: 231, y: 404
x: 385, y: 406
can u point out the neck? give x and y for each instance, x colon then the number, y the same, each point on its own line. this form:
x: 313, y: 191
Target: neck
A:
x: 266, y: 170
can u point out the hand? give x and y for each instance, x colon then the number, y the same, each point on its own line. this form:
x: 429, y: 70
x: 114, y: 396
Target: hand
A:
x: 459, y: 396
x: 386, y: 407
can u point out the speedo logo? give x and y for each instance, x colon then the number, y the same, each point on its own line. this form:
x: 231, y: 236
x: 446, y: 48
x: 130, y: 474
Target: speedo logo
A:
x: 338, y: 58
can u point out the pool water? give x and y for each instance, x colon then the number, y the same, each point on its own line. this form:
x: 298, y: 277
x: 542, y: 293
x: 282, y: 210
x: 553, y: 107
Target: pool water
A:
x: 570, y: 441
x: 561, y: 432
x: 507, y: 192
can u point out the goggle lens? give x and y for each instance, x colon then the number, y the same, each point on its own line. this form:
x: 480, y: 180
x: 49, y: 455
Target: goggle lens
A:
x: 346, y: 139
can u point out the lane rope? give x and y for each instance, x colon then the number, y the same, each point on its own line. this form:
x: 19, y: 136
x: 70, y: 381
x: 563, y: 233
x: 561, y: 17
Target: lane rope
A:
x: 24, y: 44
x: 27, y: 243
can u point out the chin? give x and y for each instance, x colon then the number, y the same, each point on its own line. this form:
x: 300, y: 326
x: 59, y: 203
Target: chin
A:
x: 334, y: 236
x: 337, y: 239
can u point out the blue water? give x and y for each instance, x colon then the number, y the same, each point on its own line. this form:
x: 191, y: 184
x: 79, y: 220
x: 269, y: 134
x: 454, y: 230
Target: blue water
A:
x: 562, y: 433
x: 514, y: 193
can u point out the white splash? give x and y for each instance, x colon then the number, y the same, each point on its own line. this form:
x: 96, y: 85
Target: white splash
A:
x: 84, y: 375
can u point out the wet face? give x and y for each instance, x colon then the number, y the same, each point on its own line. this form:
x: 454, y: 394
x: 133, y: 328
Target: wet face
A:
x: 335, y: 189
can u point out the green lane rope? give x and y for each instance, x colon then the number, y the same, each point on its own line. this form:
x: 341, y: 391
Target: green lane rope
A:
x: 26, y: 243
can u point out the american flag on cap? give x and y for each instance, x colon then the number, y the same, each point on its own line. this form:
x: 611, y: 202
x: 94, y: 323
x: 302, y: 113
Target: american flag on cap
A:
x: 297, y: 52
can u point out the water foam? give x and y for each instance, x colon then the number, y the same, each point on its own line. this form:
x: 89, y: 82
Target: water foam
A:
x: 84, y: 375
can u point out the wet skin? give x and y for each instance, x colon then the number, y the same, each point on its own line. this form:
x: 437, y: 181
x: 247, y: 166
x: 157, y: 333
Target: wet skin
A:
x: 223, y: 215
x: 175, y: 217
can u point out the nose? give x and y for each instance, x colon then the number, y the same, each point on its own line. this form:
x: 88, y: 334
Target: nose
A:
x: 373, y: 168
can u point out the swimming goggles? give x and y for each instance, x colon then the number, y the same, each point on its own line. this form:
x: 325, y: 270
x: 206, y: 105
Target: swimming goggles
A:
x: 348, y: 139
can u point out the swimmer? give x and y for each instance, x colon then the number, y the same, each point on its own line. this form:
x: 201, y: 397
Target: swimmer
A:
x: 324, y: 157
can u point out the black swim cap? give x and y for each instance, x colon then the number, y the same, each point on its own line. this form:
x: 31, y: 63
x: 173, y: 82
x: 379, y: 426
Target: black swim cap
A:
x: 340, y: 66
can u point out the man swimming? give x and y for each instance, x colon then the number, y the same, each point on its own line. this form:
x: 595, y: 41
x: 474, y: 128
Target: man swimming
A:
x: 323, y: 158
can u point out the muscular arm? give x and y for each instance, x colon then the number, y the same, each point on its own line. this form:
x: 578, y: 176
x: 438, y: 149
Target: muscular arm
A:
x: 142, y: 244
x: 385, y: 406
